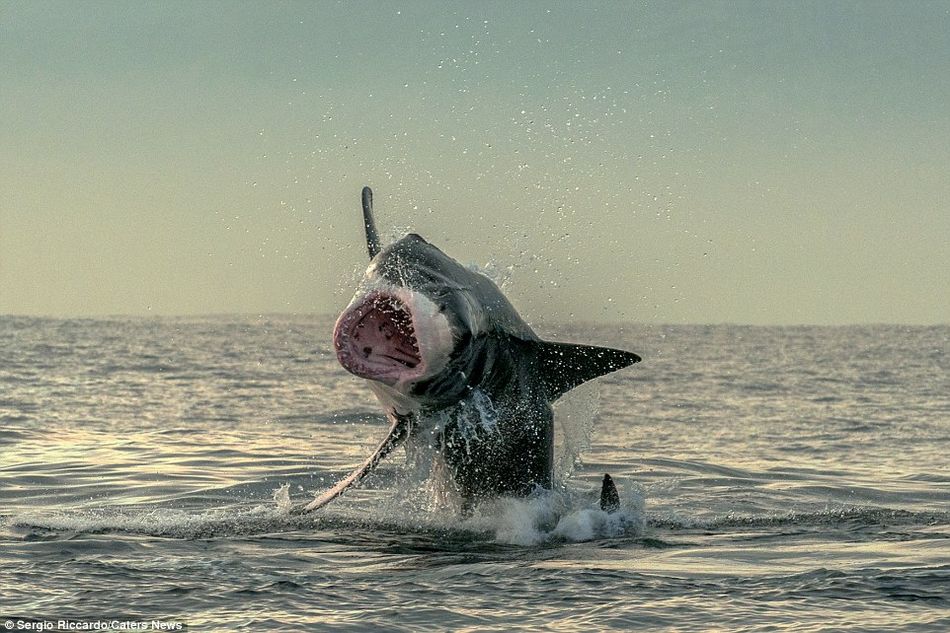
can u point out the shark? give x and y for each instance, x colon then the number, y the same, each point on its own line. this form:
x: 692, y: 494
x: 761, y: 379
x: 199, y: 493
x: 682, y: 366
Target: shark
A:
x: 450, y: 360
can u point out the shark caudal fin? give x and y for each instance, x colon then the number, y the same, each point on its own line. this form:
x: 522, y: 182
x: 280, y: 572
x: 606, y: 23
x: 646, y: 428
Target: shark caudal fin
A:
x: 372, y: 237
x: 609, y: 497
x: 563, y: 366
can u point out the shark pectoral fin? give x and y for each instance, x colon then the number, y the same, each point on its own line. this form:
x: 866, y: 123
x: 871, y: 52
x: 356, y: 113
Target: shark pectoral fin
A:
x: 397, y: 432
x: 563, y: 366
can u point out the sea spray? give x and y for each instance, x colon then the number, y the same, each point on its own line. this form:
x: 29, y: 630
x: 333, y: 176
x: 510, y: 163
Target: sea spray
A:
x: 558, y: 516
x: 574, y: 416
x: 282, y: 499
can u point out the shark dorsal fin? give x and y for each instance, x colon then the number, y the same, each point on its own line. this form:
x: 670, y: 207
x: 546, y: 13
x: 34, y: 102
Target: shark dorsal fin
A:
x: 563, y: 366
x: 372, y: 237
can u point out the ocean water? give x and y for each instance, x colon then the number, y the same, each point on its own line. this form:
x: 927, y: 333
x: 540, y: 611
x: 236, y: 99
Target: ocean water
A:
x: 773, y: 478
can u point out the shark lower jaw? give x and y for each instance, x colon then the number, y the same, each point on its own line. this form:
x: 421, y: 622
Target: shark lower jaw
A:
x: 375, y: 338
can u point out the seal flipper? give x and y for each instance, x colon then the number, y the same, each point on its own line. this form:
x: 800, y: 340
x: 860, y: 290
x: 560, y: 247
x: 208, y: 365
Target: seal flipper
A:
x: 563, y: 366
x: 372, y: 237
x: 609, y: 497
x: 399, y: 430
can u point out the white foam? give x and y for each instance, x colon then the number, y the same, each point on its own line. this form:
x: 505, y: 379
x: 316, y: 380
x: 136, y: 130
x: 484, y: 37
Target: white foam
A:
x: 558, y: 516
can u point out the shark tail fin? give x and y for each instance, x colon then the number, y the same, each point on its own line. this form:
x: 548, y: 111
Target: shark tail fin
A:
x: 609, y: 497
x: 563, y: 366
x: 372, y: 237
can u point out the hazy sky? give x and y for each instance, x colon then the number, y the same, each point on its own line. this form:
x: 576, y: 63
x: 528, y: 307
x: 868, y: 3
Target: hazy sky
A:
x: 766, y: 162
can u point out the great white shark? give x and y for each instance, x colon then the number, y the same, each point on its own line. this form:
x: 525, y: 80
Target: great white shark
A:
x: 450, y: 358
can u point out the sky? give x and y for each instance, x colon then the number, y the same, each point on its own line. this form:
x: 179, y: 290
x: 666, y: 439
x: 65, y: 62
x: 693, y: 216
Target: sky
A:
x: 688, y: 162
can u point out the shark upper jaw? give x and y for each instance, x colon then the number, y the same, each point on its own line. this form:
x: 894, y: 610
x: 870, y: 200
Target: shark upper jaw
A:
x: 394, y: 336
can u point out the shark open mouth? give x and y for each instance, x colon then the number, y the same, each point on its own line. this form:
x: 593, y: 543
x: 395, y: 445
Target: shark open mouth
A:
x: 375, y: 338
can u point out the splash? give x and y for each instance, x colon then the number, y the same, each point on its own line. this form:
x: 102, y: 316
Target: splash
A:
x: 424, y: 482
x: 282, y: 499
x: 473, y: 419
x: 500, y: 276
x: 574, y: 415
x: 476, y: 419
x: 163, y: 522
x: 549, y: 517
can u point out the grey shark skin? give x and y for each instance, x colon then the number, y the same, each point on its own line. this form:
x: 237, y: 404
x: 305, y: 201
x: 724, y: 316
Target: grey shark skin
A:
x: 453, y: 363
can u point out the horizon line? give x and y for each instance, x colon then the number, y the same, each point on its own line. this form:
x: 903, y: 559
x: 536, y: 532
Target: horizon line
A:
x: 546, y: 322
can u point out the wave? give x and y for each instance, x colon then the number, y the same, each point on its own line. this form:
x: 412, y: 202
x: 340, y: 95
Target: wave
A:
x: 544, y: 519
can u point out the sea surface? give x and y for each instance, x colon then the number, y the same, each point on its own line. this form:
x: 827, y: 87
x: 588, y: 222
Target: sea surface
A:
x: 773, y: 479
